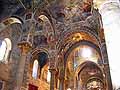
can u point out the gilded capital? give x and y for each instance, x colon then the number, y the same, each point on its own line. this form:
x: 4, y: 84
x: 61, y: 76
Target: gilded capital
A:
x: 25, y: 47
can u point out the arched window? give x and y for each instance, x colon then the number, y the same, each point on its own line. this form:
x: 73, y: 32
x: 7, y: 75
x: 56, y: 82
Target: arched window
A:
x: 5, y: 47
x: 48, y: 75
x: 35, y: 69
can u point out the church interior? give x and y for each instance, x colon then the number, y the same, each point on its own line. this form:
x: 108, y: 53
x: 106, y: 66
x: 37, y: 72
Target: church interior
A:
x: 59, y: 44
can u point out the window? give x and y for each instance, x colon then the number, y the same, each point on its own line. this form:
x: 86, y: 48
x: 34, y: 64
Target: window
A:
x: 48, y: 75
x: 35, y: 69
x: 5, y: 47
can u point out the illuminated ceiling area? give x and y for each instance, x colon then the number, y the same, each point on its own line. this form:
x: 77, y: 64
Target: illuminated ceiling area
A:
x: 82, y: 54
x: 83, y: 63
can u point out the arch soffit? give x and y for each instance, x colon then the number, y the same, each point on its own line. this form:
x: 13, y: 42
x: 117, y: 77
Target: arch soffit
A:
x: 46, y: 13
x: 45, y: 18
x: 65, y: 35
x: 82, y: 65
x: 91, y: 78
x: 80, y: 26
x: 38, y: 50
x: 82, y: 42
x: 9, y: 21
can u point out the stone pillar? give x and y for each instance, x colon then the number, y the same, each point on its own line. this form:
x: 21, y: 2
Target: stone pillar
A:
x: 61, y: 84
x: 24, y: 47
x: 110, y: 12
x: 52, y: 69
x: 52, y: 80
x: 106, y: 67
x: 61, y: 72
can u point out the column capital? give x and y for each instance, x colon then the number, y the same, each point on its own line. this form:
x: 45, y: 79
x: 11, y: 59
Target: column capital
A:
x: 53, y: 70
x: 24, y: 47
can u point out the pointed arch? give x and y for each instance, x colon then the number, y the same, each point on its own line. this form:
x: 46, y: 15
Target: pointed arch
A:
x: 86, y: 63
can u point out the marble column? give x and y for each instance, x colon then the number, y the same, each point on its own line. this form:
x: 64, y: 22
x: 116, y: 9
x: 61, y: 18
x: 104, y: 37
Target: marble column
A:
x: 24, y: 47
x: 52, y: 69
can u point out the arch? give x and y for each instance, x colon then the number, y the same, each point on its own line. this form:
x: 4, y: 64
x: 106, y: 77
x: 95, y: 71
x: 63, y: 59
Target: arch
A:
x: 78, y: 29
x: 81, y: 67
x: 11, y: 20
x: 82, y: 42
x: 47, y: 14
x: 42, y: 55
x: 45, y: 18
x: 97, y: 78
x: 40, y: 12
x: 35, y: 69
x: 7, y: 47
x: 37, y: 50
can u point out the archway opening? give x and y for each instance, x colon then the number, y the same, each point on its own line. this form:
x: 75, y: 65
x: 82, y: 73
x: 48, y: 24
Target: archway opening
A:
x: 77, y: 56
x: 40, y: 70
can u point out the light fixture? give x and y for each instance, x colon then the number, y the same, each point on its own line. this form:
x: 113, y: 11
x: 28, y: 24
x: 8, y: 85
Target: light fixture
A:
x: 86, y: 52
